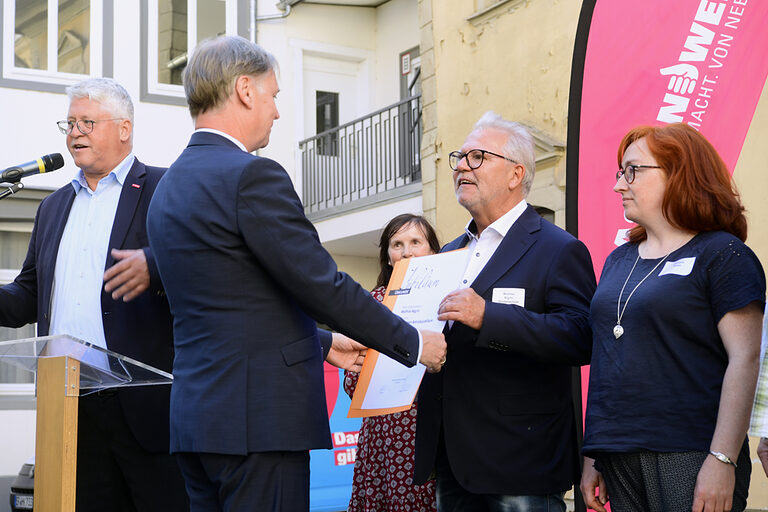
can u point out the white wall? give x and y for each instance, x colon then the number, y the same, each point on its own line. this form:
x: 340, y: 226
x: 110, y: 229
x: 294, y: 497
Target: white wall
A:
x: 345, y: 32
x: 397, y: 30
x: 17, y: 440
x: 29, y: 131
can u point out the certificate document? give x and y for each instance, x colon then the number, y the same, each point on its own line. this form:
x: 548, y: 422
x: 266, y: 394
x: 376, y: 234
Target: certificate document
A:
x: 414, y: 293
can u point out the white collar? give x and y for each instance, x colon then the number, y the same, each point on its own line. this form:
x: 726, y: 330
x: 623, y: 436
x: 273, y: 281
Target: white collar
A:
x: 501, y: 225
x: 225, y: 135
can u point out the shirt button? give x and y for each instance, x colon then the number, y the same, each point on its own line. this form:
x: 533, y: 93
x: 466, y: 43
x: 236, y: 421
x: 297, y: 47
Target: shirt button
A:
x: 464, y: 281
x: 477, y: 254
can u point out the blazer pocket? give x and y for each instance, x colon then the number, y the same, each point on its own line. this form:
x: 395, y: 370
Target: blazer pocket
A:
x: 514, y: 405
x: 301, y: 350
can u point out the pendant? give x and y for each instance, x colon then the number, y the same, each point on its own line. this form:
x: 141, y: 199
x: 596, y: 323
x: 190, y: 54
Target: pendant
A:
x: 618, y: 331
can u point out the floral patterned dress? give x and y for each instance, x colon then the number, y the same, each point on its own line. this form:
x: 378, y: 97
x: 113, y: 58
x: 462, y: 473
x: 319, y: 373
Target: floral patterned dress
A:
x: 383, y: 479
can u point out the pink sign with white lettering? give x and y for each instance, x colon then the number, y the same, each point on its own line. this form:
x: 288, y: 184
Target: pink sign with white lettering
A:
x: 703, y: 63
x: 699, y: 62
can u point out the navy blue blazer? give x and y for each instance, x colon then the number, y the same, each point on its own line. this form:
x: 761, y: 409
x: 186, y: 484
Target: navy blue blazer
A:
x: 141, y: 329
x: 503, y: 398
x: 246, y: 279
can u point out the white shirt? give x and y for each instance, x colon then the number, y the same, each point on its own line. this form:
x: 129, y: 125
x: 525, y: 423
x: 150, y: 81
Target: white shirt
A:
x: 78, y: 278
x: 481, y: 248
x: 225, y: 135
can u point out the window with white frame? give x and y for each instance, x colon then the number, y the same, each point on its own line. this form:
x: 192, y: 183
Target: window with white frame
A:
x: 173, y: 28
x: 55, y: 42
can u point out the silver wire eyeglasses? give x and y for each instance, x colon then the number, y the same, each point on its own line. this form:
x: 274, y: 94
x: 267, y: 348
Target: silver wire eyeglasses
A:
x: 84, y: 125
x: 629, y: 171
x: 474, y: 158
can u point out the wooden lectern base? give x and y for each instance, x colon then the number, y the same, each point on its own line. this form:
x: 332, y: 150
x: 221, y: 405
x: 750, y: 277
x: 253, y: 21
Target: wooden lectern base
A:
x: 58, y: 388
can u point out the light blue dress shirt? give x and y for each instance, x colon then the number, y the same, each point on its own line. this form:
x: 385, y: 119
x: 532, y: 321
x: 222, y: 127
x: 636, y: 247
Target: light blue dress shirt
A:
x: 79, y: 275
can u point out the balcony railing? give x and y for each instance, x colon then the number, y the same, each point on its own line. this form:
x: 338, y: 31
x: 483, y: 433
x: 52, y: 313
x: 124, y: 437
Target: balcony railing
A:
x: 367, y: 160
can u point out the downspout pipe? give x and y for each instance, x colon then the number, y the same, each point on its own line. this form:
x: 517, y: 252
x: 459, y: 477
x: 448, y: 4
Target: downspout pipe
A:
x: 254, y: 16
x: 282, y: 5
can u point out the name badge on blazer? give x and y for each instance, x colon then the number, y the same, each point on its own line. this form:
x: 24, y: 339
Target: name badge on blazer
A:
x: 514, y: 296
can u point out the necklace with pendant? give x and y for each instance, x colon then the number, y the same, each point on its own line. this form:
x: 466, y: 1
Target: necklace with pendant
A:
x: 618, y: 330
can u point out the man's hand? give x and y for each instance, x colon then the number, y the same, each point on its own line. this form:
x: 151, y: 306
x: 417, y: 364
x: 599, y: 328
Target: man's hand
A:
x: 591, y: 479
x: 433, y: 350
x: 762, y: 453
x: 129, y: 277
x: 464, y: 306
x: 714, y: 487
x: 346, y: 353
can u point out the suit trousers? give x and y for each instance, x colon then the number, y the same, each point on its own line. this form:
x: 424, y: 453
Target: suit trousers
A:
x: 264, y: 481
x: 114, y: 473
x: 453, y: 497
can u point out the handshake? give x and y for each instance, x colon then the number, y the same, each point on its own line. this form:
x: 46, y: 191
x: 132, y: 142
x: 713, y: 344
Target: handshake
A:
x: 348, y: 354
x: 433, y: 351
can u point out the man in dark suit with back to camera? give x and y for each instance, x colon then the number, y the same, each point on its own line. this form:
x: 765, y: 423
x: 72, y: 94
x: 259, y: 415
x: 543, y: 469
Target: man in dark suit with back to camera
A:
x: 246, y: 279
x: 497, y: 424
x: 98, y: 223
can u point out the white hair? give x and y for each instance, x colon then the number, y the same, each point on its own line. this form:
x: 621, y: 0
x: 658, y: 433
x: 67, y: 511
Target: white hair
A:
x: 519, y: 146
x: 106, y: 91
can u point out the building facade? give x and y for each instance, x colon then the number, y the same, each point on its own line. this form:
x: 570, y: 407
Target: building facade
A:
x: 374, y: 95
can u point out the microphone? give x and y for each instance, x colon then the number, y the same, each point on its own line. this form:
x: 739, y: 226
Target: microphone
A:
x: 43, y: 164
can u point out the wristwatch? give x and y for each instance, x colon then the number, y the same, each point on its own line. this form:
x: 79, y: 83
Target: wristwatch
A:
x: 722, y: 458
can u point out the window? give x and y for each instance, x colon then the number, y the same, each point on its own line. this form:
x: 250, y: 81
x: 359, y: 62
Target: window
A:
x: 545, y: 213
x: 13, y: 249
x: 55, y: 43
x: 327, y: 117
x: 170, y: 29
x: 409, y: 115
x: 410, y: 73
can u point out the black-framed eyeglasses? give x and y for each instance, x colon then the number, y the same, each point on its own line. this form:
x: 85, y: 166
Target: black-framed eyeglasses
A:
x: 629, y: 171
x: 474, y: 158
x: 84, y: 125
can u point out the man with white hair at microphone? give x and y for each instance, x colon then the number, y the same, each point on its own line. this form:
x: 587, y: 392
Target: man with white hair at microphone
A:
x: 89, y: 273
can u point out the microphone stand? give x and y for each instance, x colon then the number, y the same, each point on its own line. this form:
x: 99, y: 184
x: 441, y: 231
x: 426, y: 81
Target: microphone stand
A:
x: 12, y: 189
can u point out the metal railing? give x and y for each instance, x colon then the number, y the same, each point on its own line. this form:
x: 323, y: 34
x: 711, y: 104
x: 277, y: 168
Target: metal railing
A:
x: 369, y: 158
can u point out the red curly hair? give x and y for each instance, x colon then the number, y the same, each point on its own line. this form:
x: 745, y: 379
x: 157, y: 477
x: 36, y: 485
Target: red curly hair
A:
x: 700, y: 195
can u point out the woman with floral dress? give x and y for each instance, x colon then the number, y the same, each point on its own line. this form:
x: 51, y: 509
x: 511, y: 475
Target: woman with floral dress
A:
x: 383, y: 477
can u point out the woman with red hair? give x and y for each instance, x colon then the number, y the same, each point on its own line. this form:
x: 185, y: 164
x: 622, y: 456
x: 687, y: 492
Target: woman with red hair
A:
x: 676, y: 322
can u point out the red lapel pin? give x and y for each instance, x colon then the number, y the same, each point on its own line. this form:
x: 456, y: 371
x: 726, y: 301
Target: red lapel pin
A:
x: 135, y: 185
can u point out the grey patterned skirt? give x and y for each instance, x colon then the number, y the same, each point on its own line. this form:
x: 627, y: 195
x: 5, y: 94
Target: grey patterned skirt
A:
x: 662, y: 482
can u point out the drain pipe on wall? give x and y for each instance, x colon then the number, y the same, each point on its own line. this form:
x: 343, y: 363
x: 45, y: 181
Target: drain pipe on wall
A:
x: 282, y: 5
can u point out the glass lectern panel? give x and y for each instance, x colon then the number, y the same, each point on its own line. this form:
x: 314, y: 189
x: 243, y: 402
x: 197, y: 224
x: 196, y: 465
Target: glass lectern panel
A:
x: 99, y: 368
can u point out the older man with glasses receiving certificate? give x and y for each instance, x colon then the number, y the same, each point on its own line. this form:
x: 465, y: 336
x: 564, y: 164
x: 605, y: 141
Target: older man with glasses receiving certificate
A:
x: 497, y: 425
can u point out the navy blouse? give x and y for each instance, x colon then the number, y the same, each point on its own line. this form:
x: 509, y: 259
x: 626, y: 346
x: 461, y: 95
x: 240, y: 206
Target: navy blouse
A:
x: 657, y: 387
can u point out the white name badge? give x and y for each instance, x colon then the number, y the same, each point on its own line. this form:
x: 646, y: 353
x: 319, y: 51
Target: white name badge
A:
x: 514, y: 296
x: 680, y: 267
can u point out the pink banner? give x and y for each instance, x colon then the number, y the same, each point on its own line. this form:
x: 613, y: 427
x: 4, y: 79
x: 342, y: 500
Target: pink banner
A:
x: 699, y: 62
